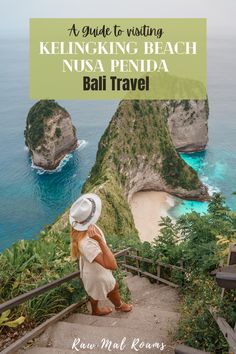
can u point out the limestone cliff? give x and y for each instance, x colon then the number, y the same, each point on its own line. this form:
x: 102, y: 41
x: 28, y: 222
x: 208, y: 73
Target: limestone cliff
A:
x: 188, y: 124
x: 49, y: 134
x: 136, y: 153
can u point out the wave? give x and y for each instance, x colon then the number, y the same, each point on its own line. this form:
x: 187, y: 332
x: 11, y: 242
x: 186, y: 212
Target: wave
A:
x: 81, y: 145
x: 211, y: 189
x: 171, y: 201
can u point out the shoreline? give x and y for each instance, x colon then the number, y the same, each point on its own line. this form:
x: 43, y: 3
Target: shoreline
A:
x: 147, y: 208
x: 80, y: 144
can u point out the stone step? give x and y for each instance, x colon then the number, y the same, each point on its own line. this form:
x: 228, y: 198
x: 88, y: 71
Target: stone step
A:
x: 115, y: 314
x: 98, y: 321
x: 128, y: 274
x: 140, y: 285
x: 137, y: 282
x: 43, y: 350
x: 166, y: 300
x: 156, y: 319
x: 143, y: 280
x: 63, y: 334
x: 136, y: 279
x: 154, y: 294
x: 143, y: 290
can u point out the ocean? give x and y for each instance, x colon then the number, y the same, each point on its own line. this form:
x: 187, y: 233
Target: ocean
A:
x: 31, y: 199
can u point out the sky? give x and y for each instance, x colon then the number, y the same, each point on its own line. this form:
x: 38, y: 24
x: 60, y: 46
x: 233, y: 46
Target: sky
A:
x: 15, y: 14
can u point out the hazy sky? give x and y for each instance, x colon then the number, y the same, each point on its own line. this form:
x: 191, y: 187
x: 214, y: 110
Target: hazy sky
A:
x: 15, y: 14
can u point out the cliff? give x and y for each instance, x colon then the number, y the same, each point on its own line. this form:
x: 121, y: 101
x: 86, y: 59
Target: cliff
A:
x: 136, y: 153
x: 188, y: 124
x: 49, y: 134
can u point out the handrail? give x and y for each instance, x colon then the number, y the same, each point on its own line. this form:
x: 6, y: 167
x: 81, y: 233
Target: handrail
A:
x: 157, y: 263
x: 42, y: 289
x: 122, y: 252
x: 147, y: 260
x: 150, y: 275
x: 227, y: 331
x: 35, y: 292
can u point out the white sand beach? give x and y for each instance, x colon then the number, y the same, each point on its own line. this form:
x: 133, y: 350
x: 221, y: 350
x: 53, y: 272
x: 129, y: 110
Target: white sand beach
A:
x: 147, y: 208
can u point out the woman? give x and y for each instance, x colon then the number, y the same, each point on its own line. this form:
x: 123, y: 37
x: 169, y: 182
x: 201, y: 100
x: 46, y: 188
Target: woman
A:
x: 96, y: 259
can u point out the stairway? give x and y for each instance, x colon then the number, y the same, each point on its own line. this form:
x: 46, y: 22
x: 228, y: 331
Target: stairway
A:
x: 154, y: 315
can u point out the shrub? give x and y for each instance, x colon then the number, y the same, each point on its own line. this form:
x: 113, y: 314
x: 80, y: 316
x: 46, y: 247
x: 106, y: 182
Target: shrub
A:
x: 58, y: 132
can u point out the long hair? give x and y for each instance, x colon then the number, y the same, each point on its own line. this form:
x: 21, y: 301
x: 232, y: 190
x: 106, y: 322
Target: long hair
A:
x: 75, y: 238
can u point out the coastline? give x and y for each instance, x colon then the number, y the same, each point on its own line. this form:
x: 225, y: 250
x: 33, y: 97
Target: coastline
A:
x: 147, y: 208
x: 40, y: 170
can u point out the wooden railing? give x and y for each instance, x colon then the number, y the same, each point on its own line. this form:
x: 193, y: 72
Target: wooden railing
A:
x: 226, y: 279
x: 36, y: 292
x: 159, y: 266
x: 44, y: 288
x: 127, y: 254
x: 11, y: 349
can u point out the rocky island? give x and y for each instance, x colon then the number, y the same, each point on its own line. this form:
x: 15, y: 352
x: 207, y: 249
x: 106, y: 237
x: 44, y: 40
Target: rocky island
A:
x: 49, y: 134
x: 188, y: 124
x: 137, y: 153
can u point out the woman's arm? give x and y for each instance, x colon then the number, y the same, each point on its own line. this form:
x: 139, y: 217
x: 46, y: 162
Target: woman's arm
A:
x: 106, y: 257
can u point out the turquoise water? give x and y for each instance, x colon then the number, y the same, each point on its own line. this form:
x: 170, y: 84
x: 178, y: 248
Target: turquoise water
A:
x: 30, y: 199
x: 198, y: 161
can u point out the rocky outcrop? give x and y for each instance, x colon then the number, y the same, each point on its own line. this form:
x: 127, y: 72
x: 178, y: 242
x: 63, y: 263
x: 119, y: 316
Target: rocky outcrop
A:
x: 136, y: 153
x: 188, y: 124
x: 49, y: 134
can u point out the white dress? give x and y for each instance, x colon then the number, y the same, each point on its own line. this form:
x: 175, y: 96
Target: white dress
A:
x: 98, y: 281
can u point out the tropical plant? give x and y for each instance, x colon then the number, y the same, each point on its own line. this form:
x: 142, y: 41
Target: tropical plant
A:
x: 6, y: 322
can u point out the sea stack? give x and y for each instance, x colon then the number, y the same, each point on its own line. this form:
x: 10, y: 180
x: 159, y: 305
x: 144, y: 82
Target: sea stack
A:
x: 49, y: 134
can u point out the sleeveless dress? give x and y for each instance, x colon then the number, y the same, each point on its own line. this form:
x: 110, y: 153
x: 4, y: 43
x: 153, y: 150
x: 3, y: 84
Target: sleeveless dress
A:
x: 98, y: 281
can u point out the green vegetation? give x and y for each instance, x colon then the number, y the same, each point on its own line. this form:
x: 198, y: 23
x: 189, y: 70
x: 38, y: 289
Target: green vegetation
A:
x: 187, y: 105
x: 130, y: 141
x: 29, y: 264
x: 5, y: 320
x: 35, y: 124
x: 202, y: 241
x: 58, y: 132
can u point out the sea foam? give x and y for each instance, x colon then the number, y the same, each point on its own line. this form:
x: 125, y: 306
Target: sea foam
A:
x: 211, y: 189
x: 81, y: 145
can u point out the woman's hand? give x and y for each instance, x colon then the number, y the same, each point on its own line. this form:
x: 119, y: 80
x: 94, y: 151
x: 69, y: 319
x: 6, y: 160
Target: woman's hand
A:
x: 94, y: 233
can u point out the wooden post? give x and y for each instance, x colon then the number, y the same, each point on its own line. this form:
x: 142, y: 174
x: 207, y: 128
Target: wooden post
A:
x: 232, y: 255
x: 125, y: 260
x: 231, y: 261
x: 181, y: 263
x: 138, y: 262
x: 158, y: 272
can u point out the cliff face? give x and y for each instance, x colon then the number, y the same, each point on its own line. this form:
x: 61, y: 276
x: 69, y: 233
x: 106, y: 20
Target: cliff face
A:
x: 49, y: 134
x: 188, y: 124
x: 136, y: 153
